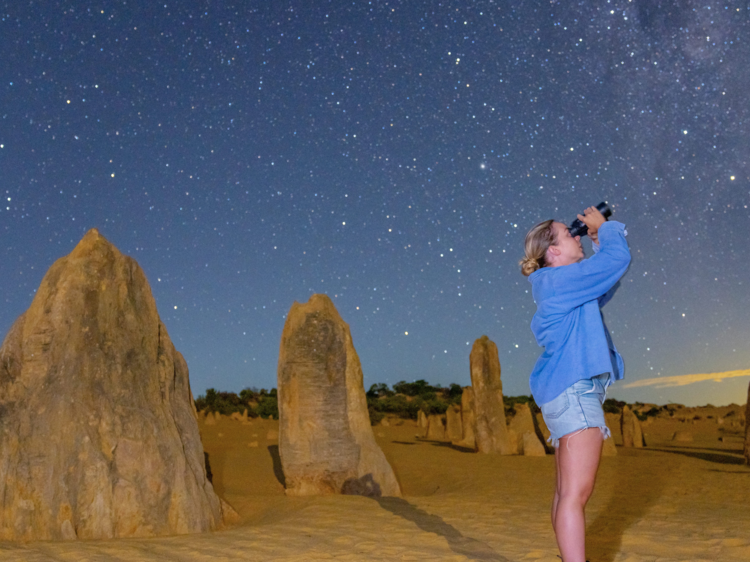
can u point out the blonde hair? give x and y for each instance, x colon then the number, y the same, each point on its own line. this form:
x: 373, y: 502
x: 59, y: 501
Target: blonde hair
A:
x: 538, y: 239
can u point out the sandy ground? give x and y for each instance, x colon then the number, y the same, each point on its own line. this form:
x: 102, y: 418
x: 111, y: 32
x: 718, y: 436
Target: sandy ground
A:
x: 663, y: 503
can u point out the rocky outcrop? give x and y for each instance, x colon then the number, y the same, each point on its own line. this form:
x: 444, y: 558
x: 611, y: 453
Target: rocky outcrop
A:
x: 468, y: 422
x: 436, y: 427
x: 521, y: 425
x: 630, y: 425
x: 453, y: 429
x: 531, y: 446
x: 421, y: 423
x: 747, y: 428
x: 326, y: 443
x: 98, y: 431
x: 682, y: 437
x: 489, y: 411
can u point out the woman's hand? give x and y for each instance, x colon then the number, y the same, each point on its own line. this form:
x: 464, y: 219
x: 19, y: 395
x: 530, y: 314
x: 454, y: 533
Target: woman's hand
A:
x: 593, y: 219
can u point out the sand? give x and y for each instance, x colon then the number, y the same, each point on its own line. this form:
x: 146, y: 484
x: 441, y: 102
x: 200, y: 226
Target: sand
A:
x: 663, y: 503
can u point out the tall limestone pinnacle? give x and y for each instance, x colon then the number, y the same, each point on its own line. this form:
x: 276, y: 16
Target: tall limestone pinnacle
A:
x: 98, y: 434
x: 326, y: 442
x: 489, y: 411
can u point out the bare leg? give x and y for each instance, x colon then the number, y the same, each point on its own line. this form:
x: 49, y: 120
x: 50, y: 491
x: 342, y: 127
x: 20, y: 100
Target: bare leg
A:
x: 556, y: 498
x: 577, y: 460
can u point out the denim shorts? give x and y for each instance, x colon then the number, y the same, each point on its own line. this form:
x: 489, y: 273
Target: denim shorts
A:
x: 577, y: 408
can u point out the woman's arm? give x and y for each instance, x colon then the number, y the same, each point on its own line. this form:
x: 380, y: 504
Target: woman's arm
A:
x: 587, y: 280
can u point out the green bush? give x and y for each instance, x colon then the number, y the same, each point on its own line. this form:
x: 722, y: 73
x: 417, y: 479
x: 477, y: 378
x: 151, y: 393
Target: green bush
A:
x: 510, y: 401
x: 256, y: 403
x: 268, y: 406
x: 612, y: 406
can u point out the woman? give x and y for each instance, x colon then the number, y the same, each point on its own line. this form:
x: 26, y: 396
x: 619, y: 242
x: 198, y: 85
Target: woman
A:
x: 579, y: 361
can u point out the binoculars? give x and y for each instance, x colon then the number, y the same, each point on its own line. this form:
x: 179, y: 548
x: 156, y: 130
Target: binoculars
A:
x: 577, y: 228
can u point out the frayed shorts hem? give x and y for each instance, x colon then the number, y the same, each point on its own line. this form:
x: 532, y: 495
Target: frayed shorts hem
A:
x: 606, y: 434
x: 577, y: 408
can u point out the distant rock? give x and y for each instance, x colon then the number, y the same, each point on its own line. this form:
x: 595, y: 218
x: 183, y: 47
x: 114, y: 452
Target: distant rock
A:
x: 326, y: 442
x: 632, y: 434
x: 682, y: 437
x: 436, y: 427
x: 421, y: 423
x: 489, y: 411
x: 98, y: 428
x: 453, y: 429
x: 468, y: 422
x: 516, y: 442
x: 522, y: 421
x: 531, y: 446
x: 608, y: 448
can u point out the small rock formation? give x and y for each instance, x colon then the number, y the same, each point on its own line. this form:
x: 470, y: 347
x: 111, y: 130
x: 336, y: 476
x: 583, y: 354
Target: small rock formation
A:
x: 435, y: 427
x: 421, y: 423
x: 608, y: 447
x: 326, y: 442
x: 531, y: 446
x: 453, y: 429
x: 468, y: 422
x: 522, y: 421
x: 682, y: 437
x: 516, y: 442
x: 632, y: 435
x: 747, y: 428
x: 489, y: 411
x: 98, y: 428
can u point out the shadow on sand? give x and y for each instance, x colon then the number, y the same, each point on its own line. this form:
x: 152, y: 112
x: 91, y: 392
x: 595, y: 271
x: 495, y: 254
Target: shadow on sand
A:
x: 278, y: 472
x: 604, y: 534
x: 725, y: 457
x: 466, y: 546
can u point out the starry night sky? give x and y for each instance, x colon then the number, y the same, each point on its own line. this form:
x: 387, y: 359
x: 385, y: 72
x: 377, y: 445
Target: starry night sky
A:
x: 391, y: 155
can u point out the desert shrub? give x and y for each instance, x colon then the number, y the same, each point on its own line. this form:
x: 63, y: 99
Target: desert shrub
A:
x: 510, y: 401
x: 612, y: 406
x: 256, y: 403
x: 225, y: 403
x: 415, y: 388
x: 375, y: 415
x: 430, y: 406
x: 268, y: 406
x: 379, y: 390
x: 455, y: 392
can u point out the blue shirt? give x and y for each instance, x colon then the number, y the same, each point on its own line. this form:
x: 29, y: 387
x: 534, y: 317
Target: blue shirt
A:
x: 568, y: 321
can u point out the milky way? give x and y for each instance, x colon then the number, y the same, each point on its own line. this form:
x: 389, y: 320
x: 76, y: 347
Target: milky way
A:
x: 392, y: 155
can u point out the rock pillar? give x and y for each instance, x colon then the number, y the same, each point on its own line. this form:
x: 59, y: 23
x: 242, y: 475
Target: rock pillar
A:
x: 326, y: 443
x: 491, y: 431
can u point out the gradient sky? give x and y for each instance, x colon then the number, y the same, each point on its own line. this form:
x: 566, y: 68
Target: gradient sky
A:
x: 392, y: 155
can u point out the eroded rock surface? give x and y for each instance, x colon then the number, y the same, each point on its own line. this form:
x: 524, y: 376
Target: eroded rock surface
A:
x: 468, y: 422
x: 326, y: 443
x: 630, y: 425
x: 453, y: 429
x: 98, y: 432
x: 489, y: 411
x: 436, y: 427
